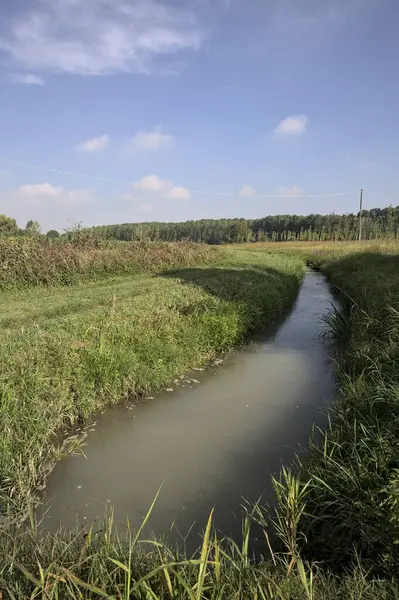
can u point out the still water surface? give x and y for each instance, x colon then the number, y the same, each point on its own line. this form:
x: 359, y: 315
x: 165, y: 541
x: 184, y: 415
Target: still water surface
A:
x: 213, y: 442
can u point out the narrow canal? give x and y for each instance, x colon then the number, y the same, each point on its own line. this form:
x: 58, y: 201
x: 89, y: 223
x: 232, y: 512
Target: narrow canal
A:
x: 213, y: 440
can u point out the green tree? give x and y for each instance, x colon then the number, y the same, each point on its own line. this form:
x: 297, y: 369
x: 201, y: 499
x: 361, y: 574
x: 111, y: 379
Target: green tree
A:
x: 33, y: 228
x: 390, y: 221
x: 8, y: 226
x: 53, y: 233
x: 377, y: 222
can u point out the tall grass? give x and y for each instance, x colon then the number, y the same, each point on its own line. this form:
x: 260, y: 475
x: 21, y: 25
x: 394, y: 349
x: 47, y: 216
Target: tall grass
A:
x: 353, y: 476
x: 27, y: 261
x: 86, y: 564
x: 352, y: 473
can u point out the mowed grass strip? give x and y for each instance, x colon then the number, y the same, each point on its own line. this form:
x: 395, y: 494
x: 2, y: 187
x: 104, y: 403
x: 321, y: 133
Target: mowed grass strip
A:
x: 69, y: 351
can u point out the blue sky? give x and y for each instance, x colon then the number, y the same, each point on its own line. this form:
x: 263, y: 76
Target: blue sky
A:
x: 190, y: 109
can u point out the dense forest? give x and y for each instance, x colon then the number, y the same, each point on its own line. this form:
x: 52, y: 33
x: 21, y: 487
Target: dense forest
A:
x: 377, y: 223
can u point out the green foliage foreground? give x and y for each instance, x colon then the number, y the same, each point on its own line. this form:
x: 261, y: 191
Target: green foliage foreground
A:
x: 337, y: 519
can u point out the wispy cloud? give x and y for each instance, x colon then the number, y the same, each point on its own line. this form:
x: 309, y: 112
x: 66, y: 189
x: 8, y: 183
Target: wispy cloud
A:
x: 40, y: 193
x: 179, y: 193
x: 27, y: 79
x: 151, y: 140
x: 289, y: 192
x: 247, y: 190
x: 147, y: 207
x: 89, y: 37
x: 153, y: 183
x: 51, y: 205
x: 293, y: 125
x: 95, y: 144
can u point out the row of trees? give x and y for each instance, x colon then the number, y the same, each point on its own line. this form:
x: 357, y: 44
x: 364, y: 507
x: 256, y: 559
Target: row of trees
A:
x: 377, y: 223
x: 8, y: 226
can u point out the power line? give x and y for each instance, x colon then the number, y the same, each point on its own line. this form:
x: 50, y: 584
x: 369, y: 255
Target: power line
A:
x: 196, y: 192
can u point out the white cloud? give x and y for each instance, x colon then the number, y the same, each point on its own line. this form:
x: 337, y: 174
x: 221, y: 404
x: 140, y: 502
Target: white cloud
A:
x: 27, y: 79
x: 38, y: 191
x: 154, y: 183
x: 179, y: 193
x: 293, y: 125
x: 94, y: 144
x: 89, y: 37
x: 147, y: 207
x: 44, y: 193
x: 151, y: 140
x: 289, y: 192
x: 246, y: 191
x: 51, y: 205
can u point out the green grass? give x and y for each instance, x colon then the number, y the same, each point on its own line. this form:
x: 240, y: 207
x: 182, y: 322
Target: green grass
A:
x: 352, y: 473
x: 337, y: 518
x: 81, y: 564
x: 353, y: 495
x: 69, y: 351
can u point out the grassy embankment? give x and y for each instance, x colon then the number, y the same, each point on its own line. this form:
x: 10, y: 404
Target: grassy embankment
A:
x: 338, y: 518
x: 353, y: 495
x: 68, y: 350
x: 353, y: 472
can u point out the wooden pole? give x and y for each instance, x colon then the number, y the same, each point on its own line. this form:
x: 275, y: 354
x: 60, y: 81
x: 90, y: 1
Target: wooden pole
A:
x: 360, y: 215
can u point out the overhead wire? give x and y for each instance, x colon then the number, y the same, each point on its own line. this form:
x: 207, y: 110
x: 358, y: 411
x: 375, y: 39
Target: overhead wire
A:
x: 137, y: 184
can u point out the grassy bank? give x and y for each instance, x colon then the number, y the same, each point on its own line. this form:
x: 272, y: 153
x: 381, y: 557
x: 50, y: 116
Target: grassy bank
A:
x: 337, y: 519
x: 69, y: 351
x: 353, y: 495
x: 352, y: 473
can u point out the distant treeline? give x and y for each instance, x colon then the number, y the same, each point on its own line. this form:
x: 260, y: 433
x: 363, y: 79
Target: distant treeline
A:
x: 377, y: 223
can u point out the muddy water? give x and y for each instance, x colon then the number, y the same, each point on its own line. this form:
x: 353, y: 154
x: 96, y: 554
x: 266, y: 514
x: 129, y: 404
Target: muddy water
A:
x: 215, y: 439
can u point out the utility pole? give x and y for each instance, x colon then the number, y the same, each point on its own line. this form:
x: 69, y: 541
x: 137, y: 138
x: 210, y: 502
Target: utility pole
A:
x: 360, y: 215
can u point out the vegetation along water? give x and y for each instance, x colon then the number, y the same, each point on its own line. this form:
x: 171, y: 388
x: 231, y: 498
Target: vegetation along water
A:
x: 213, y: 437
x: 98, y: 322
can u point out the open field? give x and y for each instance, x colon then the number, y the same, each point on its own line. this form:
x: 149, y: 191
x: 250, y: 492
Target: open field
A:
x: 326, y: 249
x: 337, y: 518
